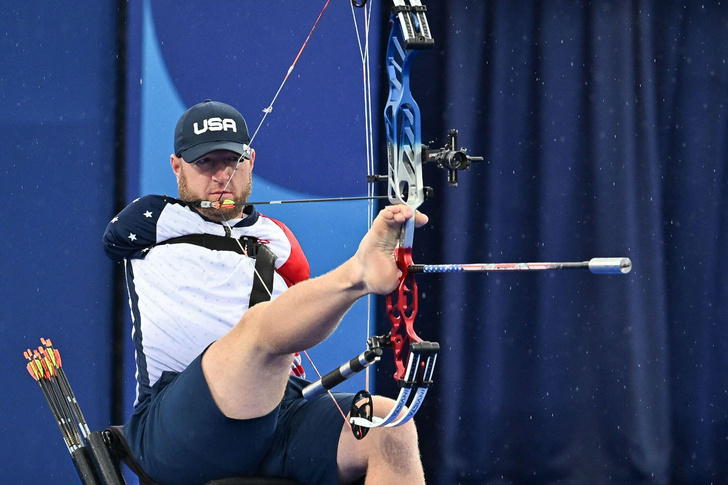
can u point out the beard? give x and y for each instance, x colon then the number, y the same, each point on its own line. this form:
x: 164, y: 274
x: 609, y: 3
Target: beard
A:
x: 222, y: 213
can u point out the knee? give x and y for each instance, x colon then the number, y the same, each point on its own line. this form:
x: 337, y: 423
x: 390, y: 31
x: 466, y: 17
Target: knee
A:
x: 385, y: 454
x: 400, y: 441
x: 397, y: 447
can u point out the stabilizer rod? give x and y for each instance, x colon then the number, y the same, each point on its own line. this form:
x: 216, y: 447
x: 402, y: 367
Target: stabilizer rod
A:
x: 595, y: 265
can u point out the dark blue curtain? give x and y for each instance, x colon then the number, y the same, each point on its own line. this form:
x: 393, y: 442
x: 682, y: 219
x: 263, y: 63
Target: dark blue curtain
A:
x: 603, y: 127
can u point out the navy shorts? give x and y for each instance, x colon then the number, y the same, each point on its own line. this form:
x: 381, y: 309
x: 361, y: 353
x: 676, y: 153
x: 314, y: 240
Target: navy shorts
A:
x: 179, y: 436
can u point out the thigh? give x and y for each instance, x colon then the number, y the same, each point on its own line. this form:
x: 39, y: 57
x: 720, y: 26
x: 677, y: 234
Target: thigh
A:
x: 180, y: 436
x: 306, y: 443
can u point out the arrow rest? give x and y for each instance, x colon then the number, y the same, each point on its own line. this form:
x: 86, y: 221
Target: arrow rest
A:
x: 379, y: 341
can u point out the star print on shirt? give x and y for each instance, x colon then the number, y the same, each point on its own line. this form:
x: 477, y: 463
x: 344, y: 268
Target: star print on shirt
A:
x: 135, y: 227
x: 114, y: 220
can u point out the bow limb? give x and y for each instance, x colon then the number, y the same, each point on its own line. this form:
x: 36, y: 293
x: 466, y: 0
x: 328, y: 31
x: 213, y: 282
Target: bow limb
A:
x: 414, y: 359
x: 410, y: 33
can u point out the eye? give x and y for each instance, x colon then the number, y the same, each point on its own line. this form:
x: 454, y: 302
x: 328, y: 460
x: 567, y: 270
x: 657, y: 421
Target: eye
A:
x: 202, y: 161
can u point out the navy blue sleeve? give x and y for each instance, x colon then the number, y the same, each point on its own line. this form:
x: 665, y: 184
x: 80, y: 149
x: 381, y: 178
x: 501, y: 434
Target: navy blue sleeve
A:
x: 134, y: 228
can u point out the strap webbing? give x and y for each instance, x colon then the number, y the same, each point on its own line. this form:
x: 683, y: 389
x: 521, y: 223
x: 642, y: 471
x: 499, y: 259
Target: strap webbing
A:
x: 219, y: 243
x: 264, y: 258
x: 264, y: 266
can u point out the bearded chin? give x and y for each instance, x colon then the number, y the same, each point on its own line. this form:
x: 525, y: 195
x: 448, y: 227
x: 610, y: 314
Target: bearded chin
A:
x: 221, y: 214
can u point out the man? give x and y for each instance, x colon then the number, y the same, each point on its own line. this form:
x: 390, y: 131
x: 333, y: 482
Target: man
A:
x: 217, y: 394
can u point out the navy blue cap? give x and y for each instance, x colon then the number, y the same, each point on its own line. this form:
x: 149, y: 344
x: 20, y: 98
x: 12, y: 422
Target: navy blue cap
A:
x: 210, y: 126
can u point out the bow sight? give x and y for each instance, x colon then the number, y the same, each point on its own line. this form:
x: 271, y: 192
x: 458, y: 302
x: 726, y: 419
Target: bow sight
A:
x: 450, y: 157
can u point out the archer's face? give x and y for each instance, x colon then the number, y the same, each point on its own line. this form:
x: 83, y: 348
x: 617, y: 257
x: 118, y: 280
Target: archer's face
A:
x: 209, y: 178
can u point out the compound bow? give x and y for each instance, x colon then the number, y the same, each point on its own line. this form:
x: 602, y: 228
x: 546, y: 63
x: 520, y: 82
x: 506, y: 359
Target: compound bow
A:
x: 414, y: 358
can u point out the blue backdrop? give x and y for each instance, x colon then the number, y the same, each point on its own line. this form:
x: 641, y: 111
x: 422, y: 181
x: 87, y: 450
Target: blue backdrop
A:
x: 57, y: 115
x: 604, y: 130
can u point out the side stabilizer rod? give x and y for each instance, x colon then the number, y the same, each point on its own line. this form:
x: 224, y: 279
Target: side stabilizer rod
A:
x: 342, y: 373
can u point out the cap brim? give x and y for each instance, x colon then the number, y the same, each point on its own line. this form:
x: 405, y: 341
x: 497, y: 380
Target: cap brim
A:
x: 198, y: 151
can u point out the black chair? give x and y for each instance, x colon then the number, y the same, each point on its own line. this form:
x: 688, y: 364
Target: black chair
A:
x: 112, y: 443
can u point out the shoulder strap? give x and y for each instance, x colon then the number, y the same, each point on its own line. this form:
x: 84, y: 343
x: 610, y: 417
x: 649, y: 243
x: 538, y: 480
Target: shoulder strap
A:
x: 264, y: 258
x: 250, y: 244
x: 264, y: 266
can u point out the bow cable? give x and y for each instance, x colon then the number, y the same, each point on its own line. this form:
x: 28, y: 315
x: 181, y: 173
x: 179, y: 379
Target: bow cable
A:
x: 368, y: 134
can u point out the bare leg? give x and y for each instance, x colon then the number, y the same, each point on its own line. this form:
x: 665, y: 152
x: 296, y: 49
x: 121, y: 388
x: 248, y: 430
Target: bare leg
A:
x: 247, y: 369
x: 386, y: 455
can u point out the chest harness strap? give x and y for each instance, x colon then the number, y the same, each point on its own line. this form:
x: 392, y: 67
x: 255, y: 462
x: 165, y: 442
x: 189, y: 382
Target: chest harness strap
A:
x: 251, y: 247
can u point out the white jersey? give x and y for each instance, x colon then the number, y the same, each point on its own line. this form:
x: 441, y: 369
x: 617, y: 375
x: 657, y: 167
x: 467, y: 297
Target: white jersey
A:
x: 185, y: 296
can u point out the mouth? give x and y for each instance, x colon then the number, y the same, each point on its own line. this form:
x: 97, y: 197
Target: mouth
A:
x: 221, y: 195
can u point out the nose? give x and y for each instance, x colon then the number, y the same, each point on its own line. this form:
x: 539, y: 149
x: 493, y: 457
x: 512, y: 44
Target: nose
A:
x: 223, y: 172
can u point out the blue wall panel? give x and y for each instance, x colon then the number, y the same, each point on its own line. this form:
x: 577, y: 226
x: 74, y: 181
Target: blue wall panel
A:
x: 57, y: 100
